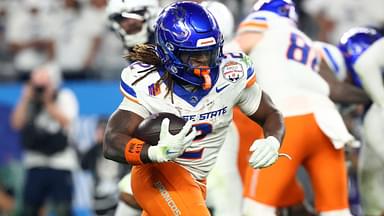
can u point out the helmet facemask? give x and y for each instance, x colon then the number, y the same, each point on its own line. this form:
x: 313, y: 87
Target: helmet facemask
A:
x: 136, y: 30
x: 140, y: 15
x: 193, y: 65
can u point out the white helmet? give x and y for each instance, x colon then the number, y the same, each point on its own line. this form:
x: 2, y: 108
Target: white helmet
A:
x: 143, y: 10
x: 223, y: 16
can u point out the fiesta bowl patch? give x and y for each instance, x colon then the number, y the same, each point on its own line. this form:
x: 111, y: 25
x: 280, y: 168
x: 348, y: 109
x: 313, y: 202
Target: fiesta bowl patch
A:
x: 233, y: 71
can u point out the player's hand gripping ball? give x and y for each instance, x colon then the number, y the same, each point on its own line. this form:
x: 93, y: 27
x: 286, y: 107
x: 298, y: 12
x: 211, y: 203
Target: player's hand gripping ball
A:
x: 168, y: 135
x: 149, y: 129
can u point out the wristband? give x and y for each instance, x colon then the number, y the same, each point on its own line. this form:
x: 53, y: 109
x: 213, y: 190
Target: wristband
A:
x: 132, y: 151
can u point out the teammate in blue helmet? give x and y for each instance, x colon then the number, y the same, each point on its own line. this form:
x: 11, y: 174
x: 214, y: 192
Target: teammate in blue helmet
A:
x: 284, y: 8
x: 363, y: 51
x: 185, y: 73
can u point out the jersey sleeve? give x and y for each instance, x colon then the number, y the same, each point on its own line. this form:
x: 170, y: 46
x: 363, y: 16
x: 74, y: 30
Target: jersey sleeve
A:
x: 126, y: 86
x: 131, y: 100
x: 251, y: 75
x: 131, y: 106
x: 249, y: 99
x: 254, y: 22
x: 250, y: 96
x: 333, y: 57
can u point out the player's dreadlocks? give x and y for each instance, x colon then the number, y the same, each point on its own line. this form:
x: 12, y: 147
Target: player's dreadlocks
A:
x: 146, y: 53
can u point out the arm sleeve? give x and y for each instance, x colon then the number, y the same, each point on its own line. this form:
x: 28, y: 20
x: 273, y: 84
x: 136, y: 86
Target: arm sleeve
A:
x: 369, y: 68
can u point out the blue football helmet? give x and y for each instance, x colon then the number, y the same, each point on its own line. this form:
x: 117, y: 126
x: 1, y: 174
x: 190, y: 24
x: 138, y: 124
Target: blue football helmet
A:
x: 187, y: 29
x: 353, y: 43
x: 283, y: 8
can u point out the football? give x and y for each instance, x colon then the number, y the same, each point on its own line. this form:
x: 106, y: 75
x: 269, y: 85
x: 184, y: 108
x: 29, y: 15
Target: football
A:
x: 149, y: 129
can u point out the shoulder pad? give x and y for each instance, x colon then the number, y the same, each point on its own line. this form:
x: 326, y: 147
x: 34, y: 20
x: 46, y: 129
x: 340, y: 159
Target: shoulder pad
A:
x: 130, y: 74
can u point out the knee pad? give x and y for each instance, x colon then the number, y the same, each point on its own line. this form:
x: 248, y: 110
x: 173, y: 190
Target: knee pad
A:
x: 254, y: 208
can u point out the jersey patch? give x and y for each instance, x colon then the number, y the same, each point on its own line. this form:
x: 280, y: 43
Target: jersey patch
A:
x: 233, y: 71
x: 154, y: 89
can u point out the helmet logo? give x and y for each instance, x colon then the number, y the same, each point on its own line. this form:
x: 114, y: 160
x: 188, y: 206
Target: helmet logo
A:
x: 179, y: 30
x: 173, y: 69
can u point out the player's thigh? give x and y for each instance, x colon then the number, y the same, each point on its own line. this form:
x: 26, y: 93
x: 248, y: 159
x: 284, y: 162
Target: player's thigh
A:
x: 167, y: 189
x: 275, y: 185
x: 327, y: 170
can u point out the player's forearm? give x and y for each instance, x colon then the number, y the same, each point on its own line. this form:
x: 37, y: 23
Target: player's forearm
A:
x: 118, y: 138
x: 346, y: 94
x: 113, y: 146
x: 274, y: 125
x: 270, y: 118
x: 116, y: 145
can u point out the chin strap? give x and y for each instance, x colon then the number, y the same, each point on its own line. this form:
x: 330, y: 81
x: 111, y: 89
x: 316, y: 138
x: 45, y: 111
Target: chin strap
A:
x: 204, y: 71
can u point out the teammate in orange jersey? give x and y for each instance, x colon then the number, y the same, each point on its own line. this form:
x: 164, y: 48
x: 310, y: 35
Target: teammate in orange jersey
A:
x: 196, y: 81
x: 287, y: 68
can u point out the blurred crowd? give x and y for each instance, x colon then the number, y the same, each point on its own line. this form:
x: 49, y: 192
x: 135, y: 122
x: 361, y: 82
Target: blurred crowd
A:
x: 40, y: 37
x: 75, y: 34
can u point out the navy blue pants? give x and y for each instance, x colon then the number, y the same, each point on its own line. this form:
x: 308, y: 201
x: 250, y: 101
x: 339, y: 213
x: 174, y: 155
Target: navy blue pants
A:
x: 44, y: 185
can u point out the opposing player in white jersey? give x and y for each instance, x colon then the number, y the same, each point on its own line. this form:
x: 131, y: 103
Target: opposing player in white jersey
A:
x: 187, y: 74
x: 363, y: 51
x: 133, y: 21
x: 286, y: 66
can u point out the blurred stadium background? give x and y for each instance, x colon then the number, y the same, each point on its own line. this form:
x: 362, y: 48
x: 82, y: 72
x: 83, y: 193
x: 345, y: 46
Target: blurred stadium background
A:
x: 96, y: 83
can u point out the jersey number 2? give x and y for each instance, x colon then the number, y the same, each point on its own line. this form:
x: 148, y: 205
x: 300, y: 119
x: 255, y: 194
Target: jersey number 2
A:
x: 203, y: 129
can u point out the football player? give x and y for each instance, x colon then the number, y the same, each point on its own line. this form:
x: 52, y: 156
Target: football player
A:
x: 187, y: 74
x: 287, y: 66
x: 133, y: 21
x: 363, y: 48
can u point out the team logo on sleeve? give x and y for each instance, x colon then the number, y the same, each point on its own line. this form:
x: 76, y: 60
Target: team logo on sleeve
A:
x: 154, y: 89
x: 233, y: 71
